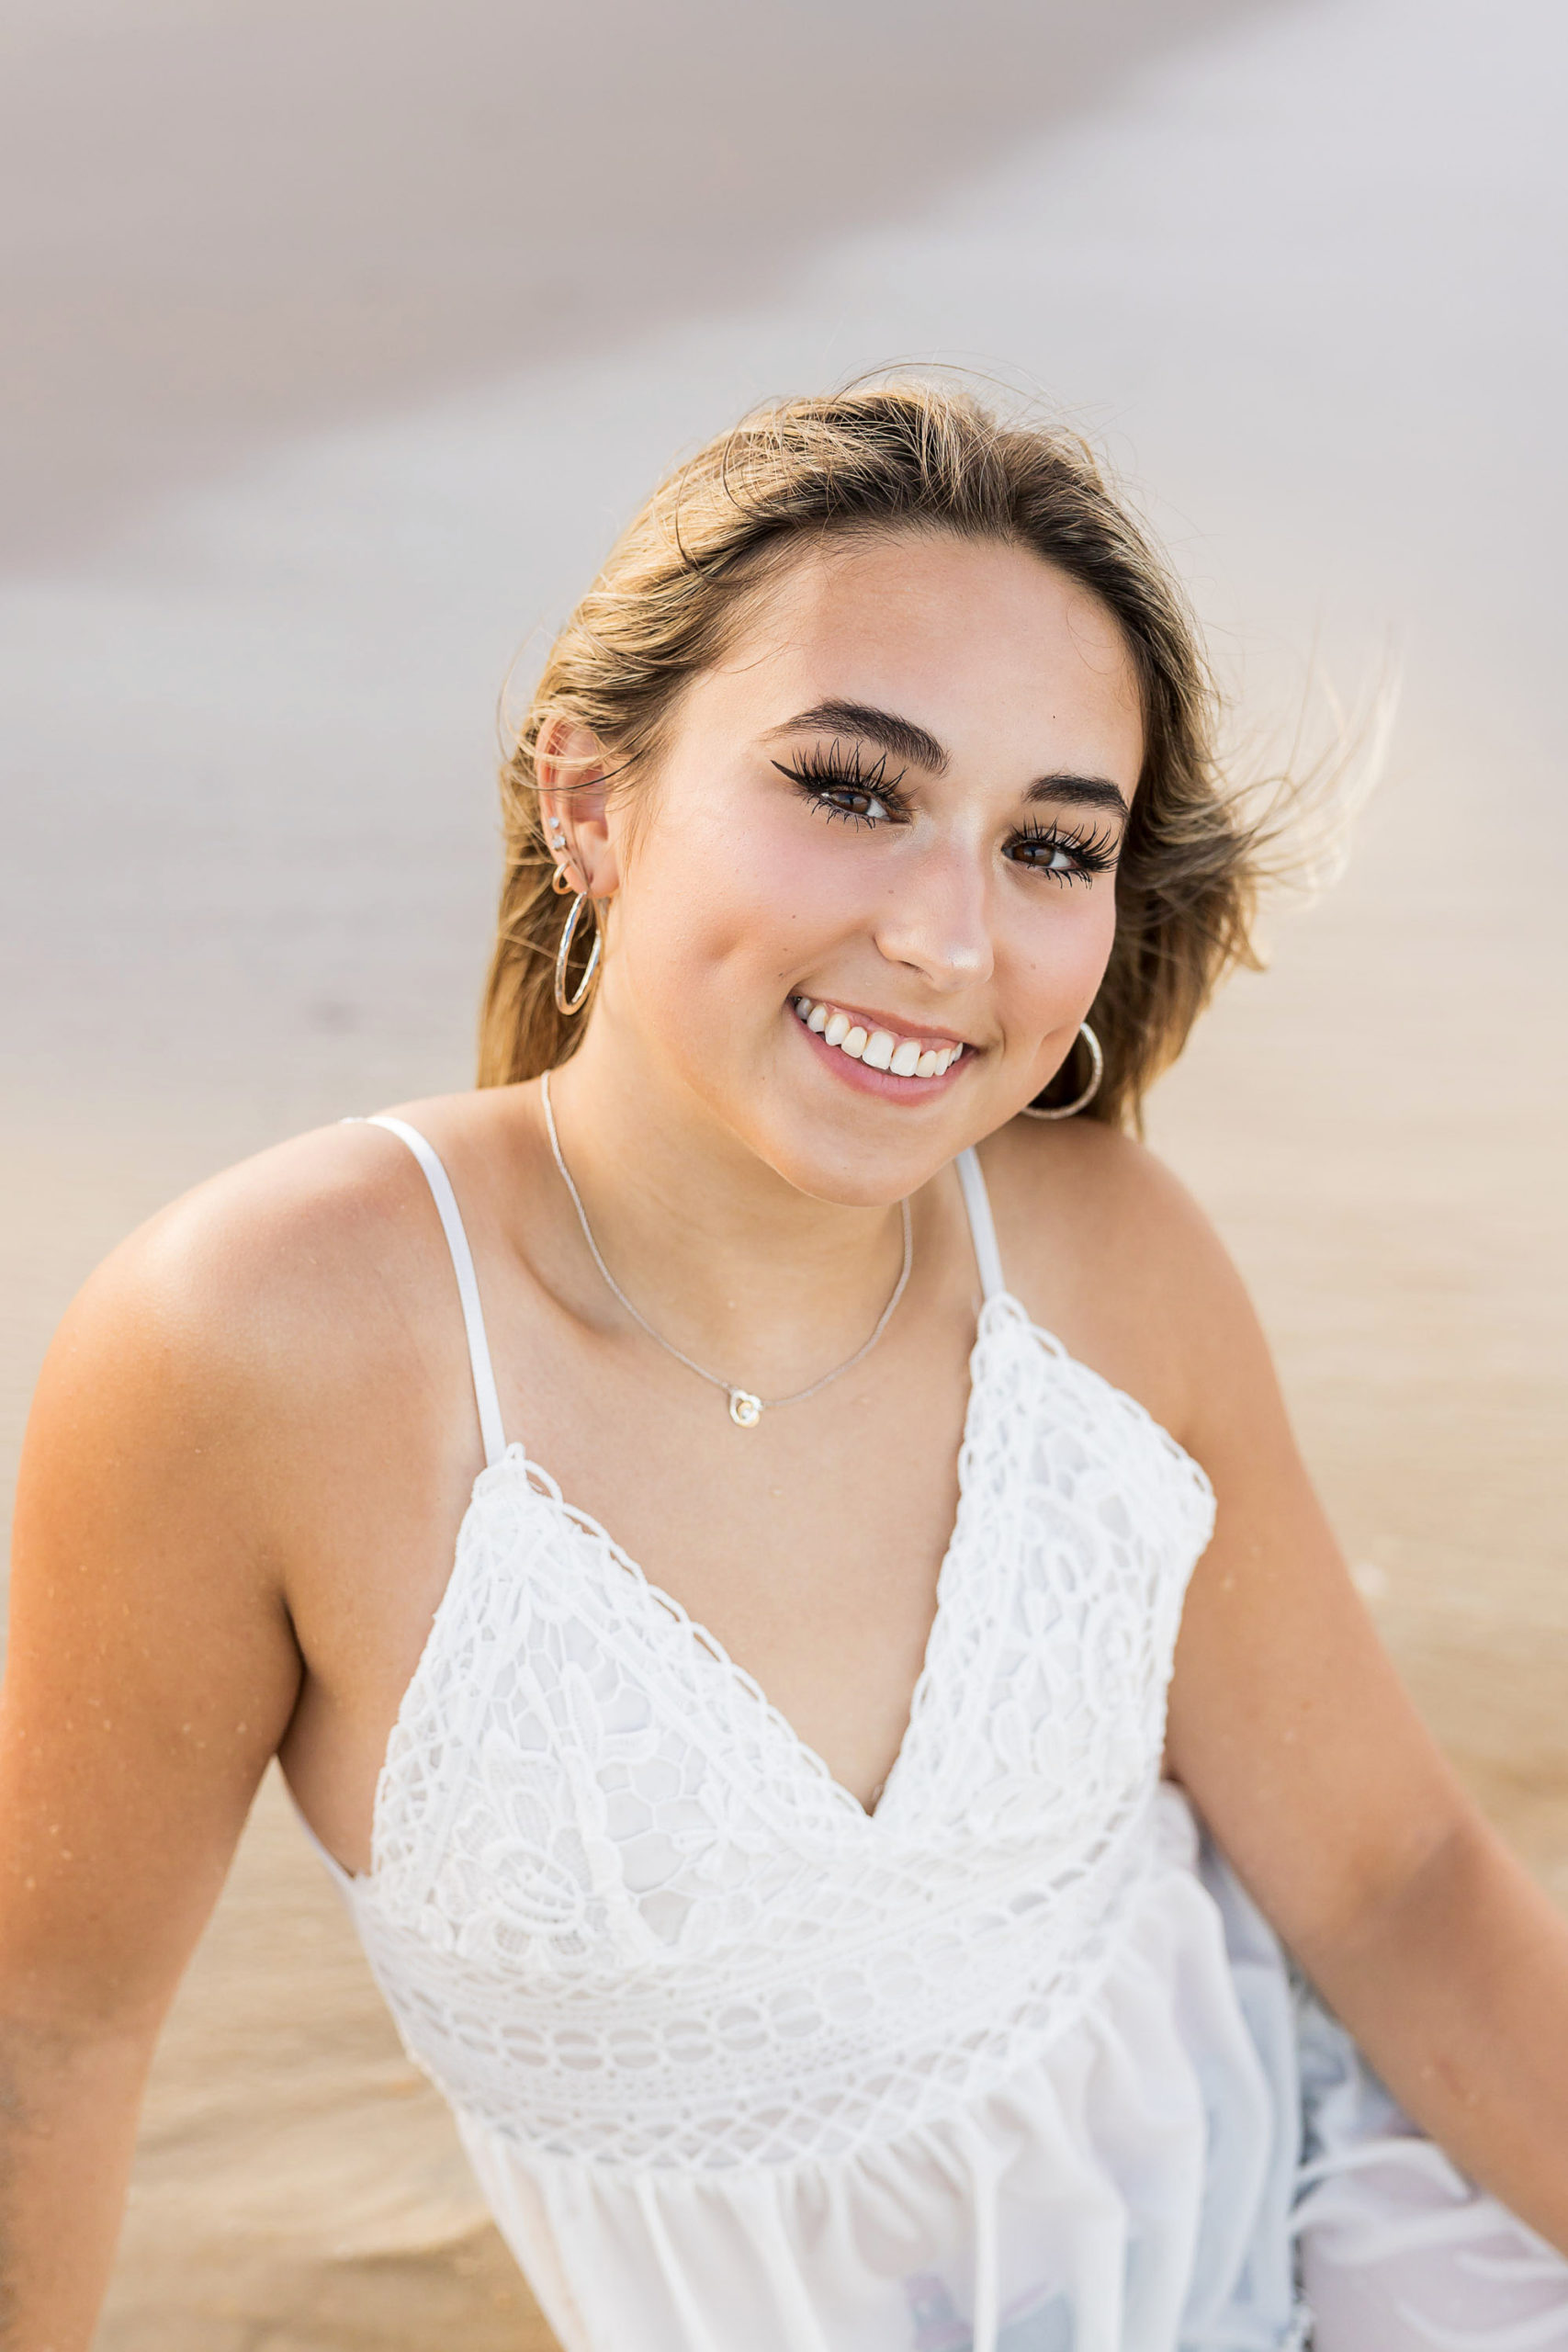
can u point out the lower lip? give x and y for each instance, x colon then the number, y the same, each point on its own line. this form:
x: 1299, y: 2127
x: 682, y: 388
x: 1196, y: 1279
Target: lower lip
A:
x: 881, y: 1082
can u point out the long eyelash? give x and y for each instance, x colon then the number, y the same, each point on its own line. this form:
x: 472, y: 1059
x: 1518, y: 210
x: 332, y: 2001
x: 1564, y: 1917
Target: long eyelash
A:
x: 824, y: 768
x: 1094, y: 847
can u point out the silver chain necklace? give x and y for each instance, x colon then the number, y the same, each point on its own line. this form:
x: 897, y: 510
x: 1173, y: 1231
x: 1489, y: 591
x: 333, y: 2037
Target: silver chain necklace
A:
x: 745, y: 1409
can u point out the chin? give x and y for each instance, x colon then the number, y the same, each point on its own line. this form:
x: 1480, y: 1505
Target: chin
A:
x: 849, y: 1170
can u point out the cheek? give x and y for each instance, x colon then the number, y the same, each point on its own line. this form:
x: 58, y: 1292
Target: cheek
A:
x: 721, y: 904
x: 1058, y: 956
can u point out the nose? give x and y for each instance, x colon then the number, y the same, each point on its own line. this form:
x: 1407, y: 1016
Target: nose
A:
x: 935, y: 919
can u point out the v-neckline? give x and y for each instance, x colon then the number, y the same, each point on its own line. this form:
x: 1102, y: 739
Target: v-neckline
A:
x: 1002, y: 1309
x: 678, y: 1619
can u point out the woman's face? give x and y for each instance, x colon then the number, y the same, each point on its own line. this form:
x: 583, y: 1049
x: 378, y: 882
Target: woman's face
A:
x: 891, y: 815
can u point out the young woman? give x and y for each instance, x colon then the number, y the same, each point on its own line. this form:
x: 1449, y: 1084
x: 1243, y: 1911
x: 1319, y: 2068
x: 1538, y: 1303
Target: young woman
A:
x: 707, y: 1522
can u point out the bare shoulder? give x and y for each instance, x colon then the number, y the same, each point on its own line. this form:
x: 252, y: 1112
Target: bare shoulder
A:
x: 1108, y: 1248
x: 265, y: 1322
x: 257, y: 1259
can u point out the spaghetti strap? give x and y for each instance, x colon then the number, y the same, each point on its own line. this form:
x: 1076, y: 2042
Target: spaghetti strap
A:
x: 982, y: 1228
x: 485, y: 1396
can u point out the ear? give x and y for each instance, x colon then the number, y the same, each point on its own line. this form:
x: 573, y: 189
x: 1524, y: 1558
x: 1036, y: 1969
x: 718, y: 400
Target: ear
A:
x: 572, y: 773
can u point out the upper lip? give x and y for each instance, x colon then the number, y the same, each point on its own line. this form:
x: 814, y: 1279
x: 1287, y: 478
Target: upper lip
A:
x: 896, y: 1024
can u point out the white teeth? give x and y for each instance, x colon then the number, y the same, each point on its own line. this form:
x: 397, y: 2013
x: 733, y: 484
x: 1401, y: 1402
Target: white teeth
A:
x: 878, y: 1048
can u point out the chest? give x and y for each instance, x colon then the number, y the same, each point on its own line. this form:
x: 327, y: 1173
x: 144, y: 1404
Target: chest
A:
x: 809, y: 1547
x: 582, y: 1778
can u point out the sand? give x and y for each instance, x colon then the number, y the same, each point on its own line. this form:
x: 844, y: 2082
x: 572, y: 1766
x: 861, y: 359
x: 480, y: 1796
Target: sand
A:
x: 310, y: 458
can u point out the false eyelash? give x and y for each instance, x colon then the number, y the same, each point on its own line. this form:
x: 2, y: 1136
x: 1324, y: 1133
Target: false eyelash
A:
x: 1094, y: 847
x: 834, y: 764
x: 821, y: 770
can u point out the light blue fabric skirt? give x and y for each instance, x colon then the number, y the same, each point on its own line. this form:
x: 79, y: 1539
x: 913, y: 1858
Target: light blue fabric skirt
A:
x: 1367, y: 2238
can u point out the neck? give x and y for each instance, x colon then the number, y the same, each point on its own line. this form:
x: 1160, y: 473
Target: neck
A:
x: 761, y: 1283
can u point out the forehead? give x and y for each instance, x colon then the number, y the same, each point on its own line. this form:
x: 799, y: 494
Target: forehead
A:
x: 996, y: 651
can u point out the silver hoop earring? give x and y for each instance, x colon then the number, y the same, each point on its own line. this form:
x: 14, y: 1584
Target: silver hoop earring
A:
x: 571, y: 1004
x: 1095, y: 1072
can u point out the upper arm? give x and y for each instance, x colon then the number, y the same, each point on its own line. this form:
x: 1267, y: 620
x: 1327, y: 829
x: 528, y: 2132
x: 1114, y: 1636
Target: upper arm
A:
x: 1287, y: 1724
x: 151, y: 1668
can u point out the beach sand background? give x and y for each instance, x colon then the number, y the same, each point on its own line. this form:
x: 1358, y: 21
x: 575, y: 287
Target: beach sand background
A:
x: 343, y: 341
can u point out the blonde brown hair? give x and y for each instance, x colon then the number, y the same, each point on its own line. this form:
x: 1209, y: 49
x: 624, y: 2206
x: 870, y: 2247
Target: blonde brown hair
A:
x: 902, y: 456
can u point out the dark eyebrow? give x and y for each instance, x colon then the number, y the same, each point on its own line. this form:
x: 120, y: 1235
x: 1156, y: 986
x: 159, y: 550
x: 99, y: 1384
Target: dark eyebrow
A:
x: 916, y: 745
x: 899, y: 736
x: 1080, y: 792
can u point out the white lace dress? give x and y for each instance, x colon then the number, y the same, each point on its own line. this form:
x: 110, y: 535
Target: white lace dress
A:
x: 1003, y: 2068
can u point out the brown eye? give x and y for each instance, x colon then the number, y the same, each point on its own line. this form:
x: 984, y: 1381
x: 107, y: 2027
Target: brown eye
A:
x: 836, y: 784
x: 851, y: 800
x: 1065, y: 856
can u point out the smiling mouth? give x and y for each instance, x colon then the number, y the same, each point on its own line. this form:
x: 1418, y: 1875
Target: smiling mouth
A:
x: 877, y: 1048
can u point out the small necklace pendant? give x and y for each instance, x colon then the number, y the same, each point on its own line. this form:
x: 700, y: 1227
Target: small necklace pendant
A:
x: 745, y: 1410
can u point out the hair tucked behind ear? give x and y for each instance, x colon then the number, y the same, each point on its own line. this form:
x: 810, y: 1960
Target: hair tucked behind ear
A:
x: 896, y: 456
